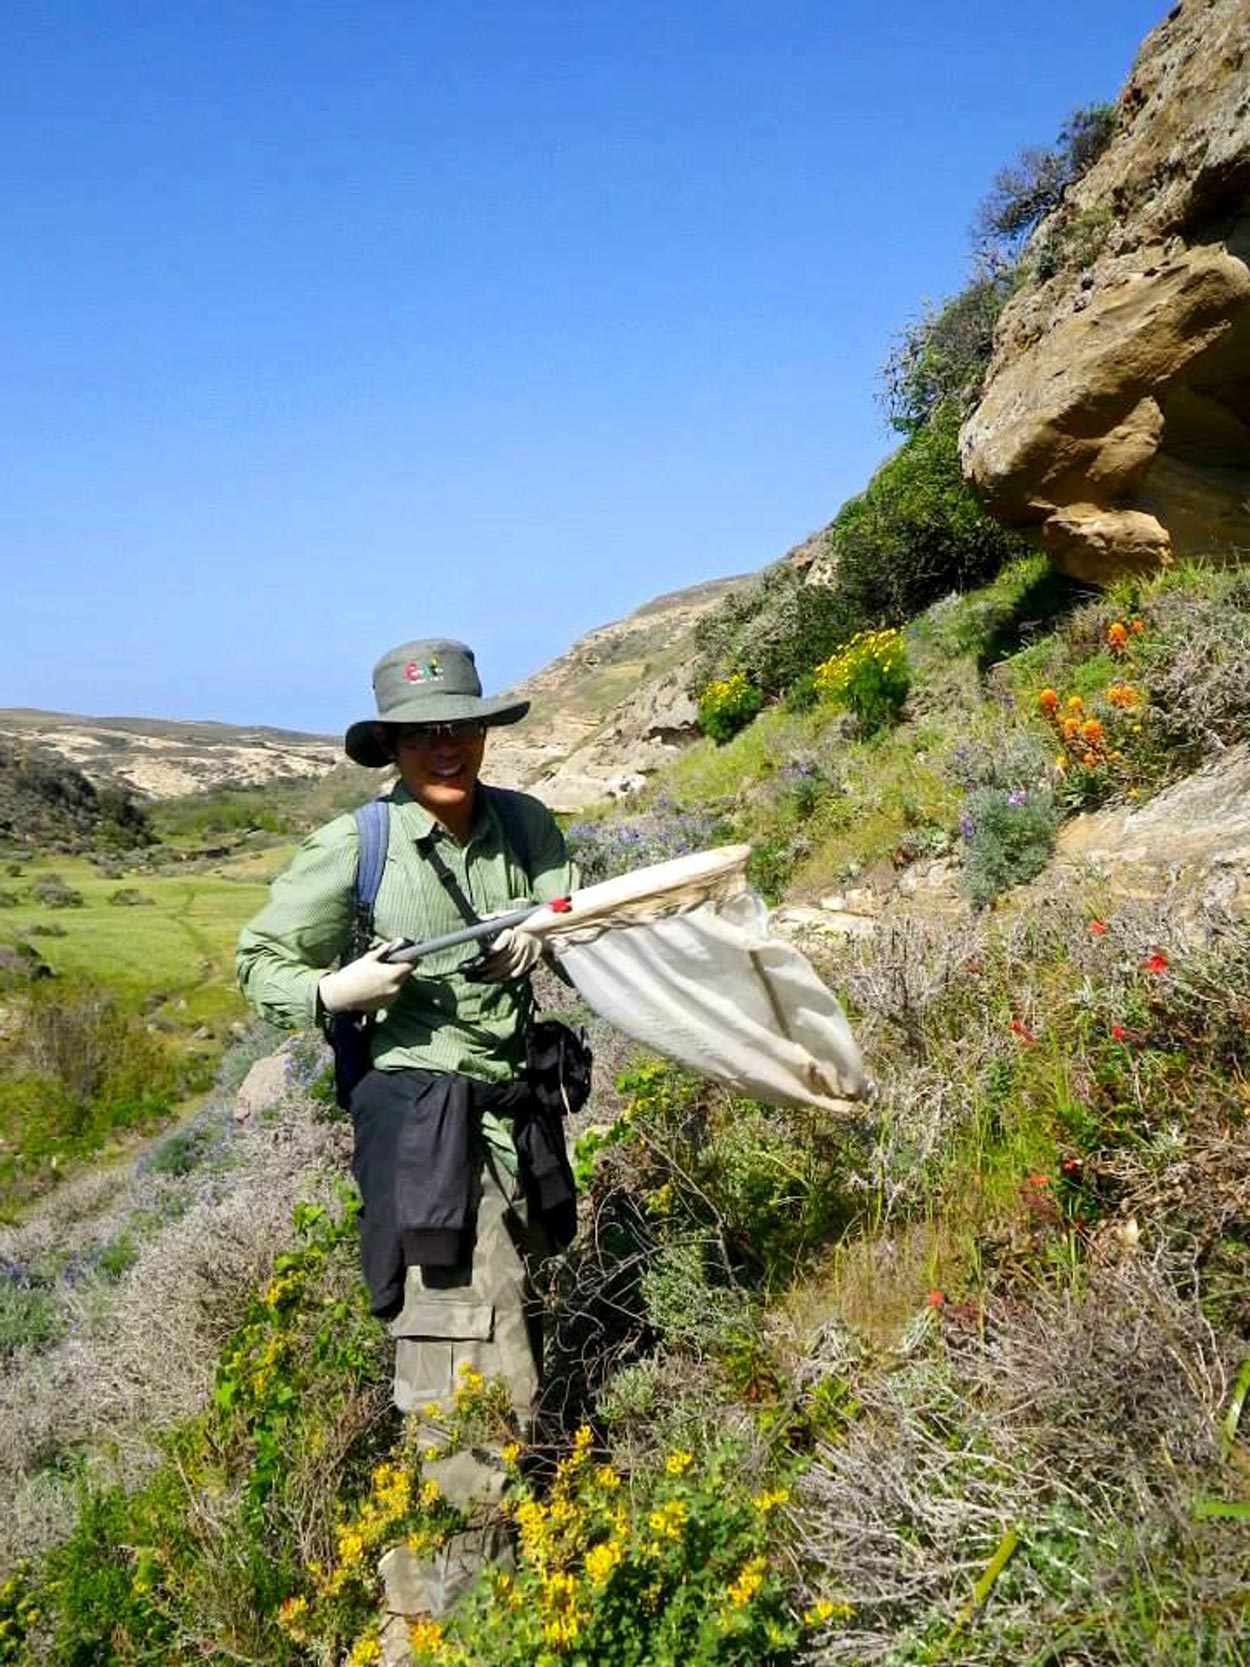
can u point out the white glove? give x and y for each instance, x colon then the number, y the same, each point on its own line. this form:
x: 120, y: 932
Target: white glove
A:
x: 365, y: 985
x: 512, y: 954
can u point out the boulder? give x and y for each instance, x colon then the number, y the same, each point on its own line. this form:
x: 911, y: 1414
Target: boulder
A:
x: 1114, y: 427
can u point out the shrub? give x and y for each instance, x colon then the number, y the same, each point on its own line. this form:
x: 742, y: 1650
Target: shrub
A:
x: 727, y: 704
x: 197, y: 1559
x: 615, y: 846
x: 915, y: 534
x: 1008, y: 838
x: 1027, y: 190
x: 30, y: 1315
x: 54, y: 893
x: 671, y: 1570
x: 1195, y: 659
x: 774, y: 632
x: 870, y: 676
x: 80, y: 1066
x: 944, y: 355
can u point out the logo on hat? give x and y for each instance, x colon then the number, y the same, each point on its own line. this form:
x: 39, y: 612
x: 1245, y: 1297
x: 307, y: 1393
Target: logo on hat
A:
x: 415, y: 672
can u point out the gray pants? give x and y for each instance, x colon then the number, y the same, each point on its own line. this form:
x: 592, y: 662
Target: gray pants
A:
x: 480, y: 1315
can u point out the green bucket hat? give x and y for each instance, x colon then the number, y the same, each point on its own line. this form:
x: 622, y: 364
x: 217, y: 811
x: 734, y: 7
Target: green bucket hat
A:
x: 433, y: 681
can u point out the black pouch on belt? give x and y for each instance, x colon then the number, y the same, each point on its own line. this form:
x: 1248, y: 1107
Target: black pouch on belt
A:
x: 558, y: 1066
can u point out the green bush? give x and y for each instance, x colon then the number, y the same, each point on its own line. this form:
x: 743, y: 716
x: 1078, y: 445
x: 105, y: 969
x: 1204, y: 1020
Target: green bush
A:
x: 195, y: 1562
x: 774, y: 632
x: 944, y: 355
x: 915, y: 534
x: 726, y: 705
x: 30, y: 1317
x: 1008, y: 838
x: 870, y: 676
x: 79, y: 1067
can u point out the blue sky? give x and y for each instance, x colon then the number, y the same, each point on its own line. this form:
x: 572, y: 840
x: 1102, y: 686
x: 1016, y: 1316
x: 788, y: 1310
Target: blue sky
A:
x: 326, y: 326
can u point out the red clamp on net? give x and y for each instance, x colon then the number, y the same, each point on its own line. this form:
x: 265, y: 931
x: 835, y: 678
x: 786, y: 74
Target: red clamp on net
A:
x: 560, y: 905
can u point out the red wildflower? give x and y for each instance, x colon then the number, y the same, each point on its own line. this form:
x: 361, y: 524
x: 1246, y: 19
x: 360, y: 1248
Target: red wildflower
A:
x: 1156, y: 961
x: 1070, y: 1166
x: 1118, y: 1033
x: 936, y: 1298
x: 1017, y: 1027
x: 1039, y: 1180
x: 1098, y: 928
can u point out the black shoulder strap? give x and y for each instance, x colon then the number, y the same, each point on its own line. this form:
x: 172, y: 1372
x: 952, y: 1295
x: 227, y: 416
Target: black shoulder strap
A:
x: 508, y: 811
x: 513, y: 824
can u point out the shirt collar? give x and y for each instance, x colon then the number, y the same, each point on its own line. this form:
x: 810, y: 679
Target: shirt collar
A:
x: 425, y: 827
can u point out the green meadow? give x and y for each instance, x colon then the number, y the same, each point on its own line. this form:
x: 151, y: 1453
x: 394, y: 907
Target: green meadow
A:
x: 121, y: 1028
x: 171, y: 954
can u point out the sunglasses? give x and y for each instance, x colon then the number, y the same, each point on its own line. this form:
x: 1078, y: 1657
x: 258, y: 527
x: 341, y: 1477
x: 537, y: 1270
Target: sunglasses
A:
x: 425, y: 735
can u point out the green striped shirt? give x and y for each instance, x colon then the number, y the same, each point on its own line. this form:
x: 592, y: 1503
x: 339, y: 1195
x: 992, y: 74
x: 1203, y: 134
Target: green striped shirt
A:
x: 441, y: 1021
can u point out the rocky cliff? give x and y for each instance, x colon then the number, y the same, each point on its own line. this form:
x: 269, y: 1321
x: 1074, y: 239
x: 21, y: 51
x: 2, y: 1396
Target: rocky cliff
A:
x: 1114, y: 428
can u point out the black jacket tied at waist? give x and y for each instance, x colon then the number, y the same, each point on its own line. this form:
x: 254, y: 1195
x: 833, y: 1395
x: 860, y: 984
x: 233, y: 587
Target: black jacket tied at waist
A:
x: 418, y: 1149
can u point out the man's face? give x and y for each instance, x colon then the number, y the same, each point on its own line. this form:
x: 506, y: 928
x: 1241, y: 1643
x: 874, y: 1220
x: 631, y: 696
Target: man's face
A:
x: 439, y: 765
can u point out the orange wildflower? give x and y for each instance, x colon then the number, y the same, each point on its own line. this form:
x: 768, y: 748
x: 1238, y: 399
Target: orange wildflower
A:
x: 1117, y: 635
x: 1089, y: 759
x: 1091, y: 729
x: 1075, y: 703
x: 1048, y: 700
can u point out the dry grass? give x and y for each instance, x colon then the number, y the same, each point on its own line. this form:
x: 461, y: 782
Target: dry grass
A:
x: 138, y: 1353
x: 1076, y: 1420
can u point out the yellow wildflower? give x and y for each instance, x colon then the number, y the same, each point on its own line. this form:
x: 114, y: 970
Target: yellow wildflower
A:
x: 602, y: 1559
x: 678, y: 1463
x: 769, y: 1501
x: 425, y: 1634
x: 511, y: 1452
x: 607, y: 1479
x: 364, y: 1650
x: 750, y: 1579
x: 668, y: 1521
x: 824, y: 1610
x: 431, y: 1493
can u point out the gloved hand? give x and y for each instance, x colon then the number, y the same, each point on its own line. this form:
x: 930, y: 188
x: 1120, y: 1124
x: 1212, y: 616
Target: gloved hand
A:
x: 512, y: 954
x: 365, y: 985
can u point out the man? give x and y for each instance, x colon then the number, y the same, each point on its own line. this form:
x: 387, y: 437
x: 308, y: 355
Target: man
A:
x: 440, y: 1117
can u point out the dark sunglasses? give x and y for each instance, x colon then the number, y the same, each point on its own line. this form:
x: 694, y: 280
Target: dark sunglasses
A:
x: 425, y: 735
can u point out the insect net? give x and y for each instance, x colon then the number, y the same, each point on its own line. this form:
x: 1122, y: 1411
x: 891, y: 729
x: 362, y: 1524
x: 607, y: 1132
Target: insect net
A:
x: 679, y: 956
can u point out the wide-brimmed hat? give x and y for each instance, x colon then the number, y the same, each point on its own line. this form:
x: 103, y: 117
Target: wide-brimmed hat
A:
x: 433, y: 681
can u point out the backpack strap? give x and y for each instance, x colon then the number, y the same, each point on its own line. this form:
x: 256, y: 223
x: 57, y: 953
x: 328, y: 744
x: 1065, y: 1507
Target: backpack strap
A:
x: 373, y: 822
x: 509, y: 813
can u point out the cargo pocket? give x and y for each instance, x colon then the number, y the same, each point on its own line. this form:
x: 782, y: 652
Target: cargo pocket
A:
x: 432, y: 1340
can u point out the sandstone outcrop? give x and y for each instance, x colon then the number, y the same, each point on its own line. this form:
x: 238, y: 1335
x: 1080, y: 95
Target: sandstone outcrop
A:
x: 1114, y: 428
x: 612, y: 709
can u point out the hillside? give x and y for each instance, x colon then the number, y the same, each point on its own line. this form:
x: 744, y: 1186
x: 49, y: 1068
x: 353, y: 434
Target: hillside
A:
x: 606, y: 713
x: 46, y: 804
x: 162, y: 758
